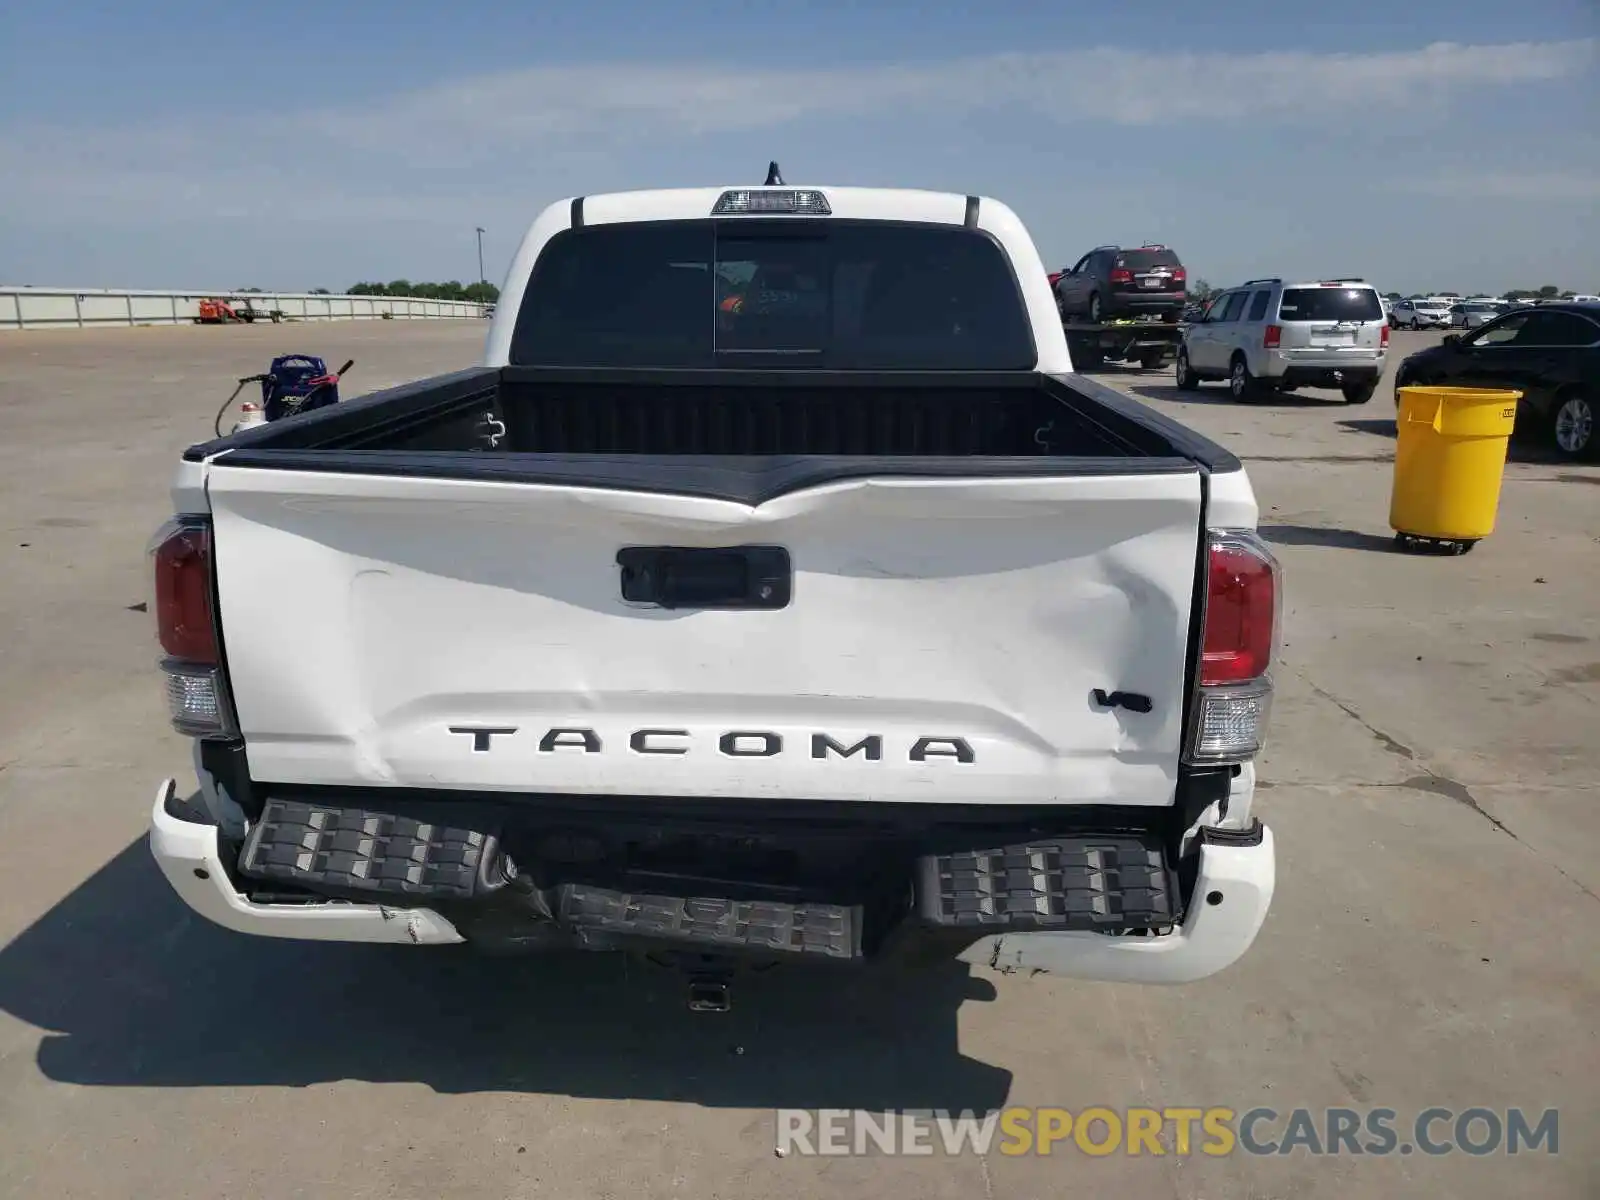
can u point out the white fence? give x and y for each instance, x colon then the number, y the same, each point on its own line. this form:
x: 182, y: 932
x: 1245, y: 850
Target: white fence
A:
x: 84, y: 308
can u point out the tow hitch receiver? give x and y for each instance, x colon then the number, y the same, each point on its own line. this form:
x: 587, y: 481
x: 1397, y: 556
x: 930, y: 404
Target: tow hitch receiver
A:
x: 709, y: 994
x: 708, y: 978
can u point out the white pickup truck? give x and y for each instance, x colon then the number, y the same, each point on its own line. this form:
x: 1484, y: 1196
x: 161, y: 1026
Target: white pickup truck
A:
x: 774, y: 591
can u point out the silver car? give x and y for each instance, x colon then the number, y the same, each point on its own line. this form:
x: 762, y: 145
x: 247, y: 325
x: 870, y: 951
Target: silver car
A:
x: 1472, y: 314
x: 1269, y: 335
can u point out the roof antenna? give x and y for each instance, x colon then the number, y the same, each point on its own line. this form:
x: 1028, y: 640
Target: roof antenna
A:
x: 774, y: 179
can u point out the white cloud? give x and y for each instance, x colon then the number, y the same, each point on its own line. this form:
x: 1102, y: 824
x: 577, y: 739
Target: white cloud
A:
x: 1507, y: 185
x: 1117, y: 86
x: 490, y: 117
x: 411, y: 163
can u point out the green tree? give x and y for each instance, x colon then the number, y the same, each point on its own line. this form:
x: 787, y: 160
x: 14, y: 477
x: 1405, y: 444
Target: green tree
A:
x: 1549, y: 289
x: 481, y: 293
x: 319, y: 292
x: 1199, y: 290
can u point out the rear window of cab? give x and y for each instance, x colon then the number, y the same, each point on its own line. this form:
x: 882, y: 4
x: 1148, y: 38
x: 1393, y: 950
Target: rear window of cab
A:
x: 789, y: 293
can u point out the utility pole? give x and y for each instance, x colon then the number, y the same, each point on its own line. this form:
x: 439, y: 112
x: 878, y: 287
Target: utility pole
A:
x: 481, y: 279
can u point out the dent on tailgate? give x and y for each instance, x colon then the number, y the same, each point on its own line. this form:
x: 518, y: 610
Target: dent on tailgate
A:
x: 959, y: 629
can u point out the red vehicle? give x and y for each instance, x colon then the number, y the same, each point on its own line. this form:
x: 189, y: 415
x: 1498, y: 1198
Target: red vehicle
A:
x: 215, y: 311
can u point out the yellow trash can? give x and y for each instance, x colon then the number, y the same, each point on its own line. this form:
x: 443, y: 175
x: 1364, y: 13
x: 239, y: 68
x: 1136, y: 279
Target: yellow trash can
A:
x: 1449, y: 458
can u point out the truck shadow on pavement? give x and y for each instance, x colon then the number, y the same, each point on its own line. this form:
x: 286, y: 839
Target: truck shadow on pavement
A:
x: 1218, y: 394
x: 1317, y: 535
x: 133, y: 990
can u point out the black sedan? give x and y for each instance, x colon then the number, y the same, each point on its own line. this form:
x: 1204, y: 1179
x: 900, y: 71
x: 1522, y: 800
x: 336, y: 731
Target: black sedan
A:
x: 1551, y: 354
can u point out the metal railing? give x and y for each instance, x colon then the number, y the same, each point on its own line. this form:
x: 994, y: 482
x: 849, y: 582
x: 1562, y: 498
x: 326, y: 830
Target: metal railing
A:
x: 87, y: 308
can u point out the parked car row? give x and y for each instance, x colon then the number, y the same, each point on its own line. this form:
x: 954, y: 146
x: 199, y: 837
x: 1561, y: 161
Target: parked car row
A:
x: 1276, y: 335
x: 1448, y: 314
x: 1457, y: 312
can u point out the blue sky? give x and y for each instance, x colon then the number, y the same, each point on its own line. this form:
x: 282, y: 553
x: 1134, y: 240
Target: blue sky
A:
x: 295, y: 144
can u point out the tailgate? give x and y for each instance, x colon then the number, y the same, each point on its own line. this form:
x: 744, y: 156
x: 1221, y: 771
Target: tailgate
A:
x: 470, y: 634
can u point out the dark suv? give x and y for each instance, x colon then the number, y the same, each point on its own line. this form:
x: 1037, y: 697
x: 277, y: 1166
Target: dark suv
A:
x: 1111, y: 281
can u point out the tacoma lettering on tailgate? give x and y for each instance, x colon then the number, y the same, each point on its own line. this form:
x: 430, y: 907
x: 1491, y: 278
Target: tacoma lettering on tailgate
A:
x: 735, y: 743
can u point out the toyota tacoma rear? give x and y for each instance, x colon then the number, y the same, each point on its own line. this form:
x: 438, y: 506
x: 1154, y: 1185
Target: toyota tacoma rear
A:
x: 774, y: 591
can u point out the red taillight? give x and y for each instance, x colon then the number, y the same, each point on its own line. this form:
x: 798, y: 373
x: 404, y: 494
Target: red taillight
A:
x: 1178, y: 275
x: 184, y: 621
x: 1273, y: 335
x: 1383, y: 335
x: 1241, y: 612
x: 1121, y: 275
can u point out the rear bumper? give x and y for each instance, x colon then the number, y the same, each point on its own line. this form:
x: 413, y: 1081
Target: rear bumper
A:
x: 188, y: 854
x: 1325, y: 374
x: 1234, y: 880
x: 1213, y: 936
x: 1135, y: 302
x: 1328, y: 377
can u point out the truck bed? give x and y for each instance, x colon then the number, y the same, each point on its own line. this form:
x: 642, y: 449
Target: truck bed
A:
x: 523, y: 422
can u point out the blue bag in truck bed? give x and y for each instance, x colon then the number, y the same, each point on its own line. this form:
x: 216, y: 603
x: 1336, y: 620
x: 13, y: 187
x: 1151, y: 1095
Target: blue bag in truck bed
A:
x: 291, y: 381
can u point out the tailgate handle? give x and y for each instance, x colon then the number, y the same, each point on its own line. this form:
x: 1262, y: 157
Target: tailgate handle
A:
x: 695, y: 577
x: 1132, y: 701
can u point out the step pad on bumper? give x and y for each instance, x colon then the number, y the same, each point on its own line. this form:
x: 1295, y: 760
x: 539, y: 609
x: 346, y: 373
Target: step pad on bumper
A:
x: 1085, y: 883
x: 350, y: 849
x: 1107, y: 883
x: 828, y: 930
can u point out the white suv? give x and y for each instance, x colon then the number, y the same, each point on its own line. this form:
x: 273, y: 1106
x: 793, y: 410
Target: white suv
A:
x: 1268, y: 335
x: 1420, y: 314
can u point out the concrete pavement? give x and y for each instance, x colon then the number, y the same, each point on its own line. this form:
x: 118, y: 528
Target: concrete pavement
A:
x: 1434, y: 941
